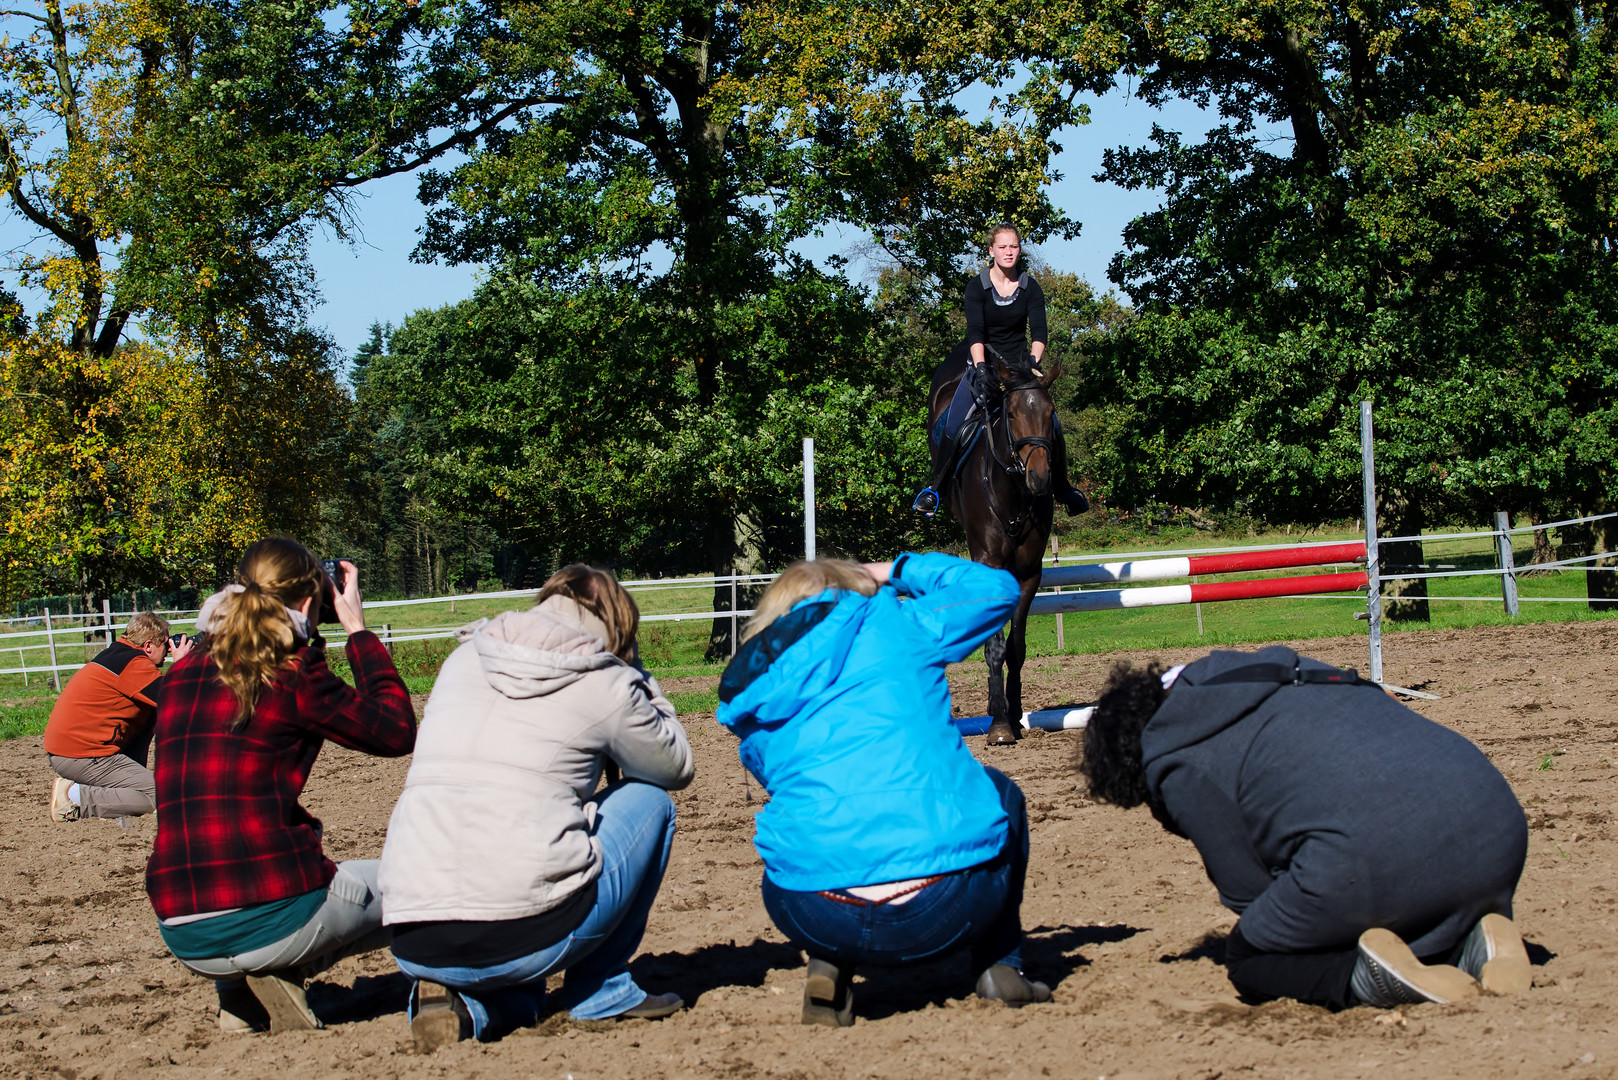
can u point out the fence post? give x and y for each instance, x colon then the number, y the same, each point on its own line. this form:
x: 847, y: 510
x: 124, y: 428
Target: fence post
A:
x: 106, y: 619
x: 1199, y: 609
x: 1508, y: 562
x: 50, y: 639
x: 733, y: 611
x: 1056, y: 560
x: 808, y: 501
x: 22, y: 662
x: 1373, y: 566
x: 387, y: 637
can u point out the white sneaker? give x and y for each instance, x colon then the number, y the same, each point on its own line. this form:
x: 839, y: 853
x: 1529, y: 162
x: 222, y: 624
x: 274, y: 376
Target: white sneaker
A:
x: 62, y: 807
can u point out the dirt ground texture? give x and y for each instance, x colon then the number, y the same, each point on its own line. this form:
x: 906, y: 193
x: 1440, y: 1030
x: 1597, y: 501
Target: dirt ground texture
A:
x: 1121, y: 920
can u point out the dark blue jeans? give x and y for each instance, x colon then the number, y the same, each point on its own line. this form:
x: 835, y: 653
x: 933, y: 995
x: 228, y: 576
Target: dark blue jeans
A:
x: 978, y: 908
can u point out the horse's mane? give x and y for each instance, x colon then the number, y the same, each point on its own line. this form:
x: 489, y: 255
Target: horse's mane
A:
x: 1021, y: 368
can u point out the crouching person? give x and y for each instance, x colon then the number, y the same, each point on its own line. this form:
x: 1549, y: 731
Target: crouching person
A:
x: 1370, y: 853
x: 503, y: 863
x: 101, y: 726
x: 884, y: 841
x: 243, y: 893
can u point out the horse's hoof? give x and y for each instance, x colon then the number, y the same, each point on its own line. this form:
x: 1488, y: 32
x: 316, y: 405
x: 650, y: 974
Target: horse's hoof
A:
x: 1001, y: 733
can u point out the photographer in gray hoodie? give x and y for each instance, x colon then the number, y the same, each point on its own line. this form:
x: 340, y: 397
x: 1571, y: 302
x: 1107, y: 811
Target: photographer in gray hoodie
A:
x: 503, y: 863
x: 1371, y: 853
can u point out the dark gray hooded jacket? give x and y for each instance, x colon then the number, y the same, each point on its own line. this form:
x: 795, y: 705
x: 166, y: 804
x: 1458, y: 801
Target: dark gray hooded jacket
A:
x: 1321, y: 811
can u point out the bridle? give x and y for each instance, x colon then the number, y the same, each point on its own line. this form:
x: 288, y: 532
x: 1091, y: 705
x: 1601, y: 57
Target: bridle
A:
x: 1015, y: 465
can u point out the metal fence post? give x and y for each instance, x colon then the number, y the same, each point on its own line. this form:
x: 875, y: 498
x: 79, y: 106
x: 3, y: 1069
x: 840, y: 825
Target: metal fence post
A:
x: 106, y: 619
x: 1056, y: 560
x: 808, y: 500
x: 1508, y: 563
x: 1373, y: 566
x: 733, y: 611
x: 50, y: 639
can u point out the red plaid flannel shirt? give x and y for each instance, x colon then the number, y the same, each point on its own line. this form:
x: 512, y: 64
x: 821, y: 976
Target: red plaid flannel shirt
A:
x: 230, y: 831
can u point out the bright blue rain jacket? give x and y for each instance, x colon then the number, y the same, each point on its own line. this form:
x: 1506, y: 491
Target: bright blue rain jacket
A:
x: 844, y: 717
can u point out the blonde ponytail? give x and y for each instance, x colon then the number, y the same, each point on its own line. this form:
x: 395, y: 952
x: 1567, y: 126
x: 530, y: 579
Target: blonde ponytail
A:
x: 251, y: 638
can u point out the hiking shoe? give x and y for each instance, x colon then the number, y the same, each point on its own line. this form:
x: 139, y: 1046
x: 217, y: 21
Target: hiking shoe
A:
x: 283, y: 999
x: 441, y: 1017
x: 926, y: 503
x: 828, y: 995
x: 655, y: 1007
x: 1494, y: 955
x: 62, y: 807
x: 1388, y: 974
x: 1002, y: 982
x: 239, y: 1011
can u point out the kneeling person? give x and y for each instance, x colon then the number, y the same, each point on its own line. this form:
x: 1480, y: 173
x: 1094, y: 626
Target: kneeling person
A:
x: 101, y: 726
x: 884, y: 841
x: 1371, y: 853
x: 503, y: 863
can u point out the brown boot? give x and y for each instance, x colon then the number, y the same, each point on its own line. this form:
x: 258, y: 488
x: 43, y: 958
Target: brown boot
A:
x: 828, y: 995
x: 283, y: 999
x: 441, y: 1019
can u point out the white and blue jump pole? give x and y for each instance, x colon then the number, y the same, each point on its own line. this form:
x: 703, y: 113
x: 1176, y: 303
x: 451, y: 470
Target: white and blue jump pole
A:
x: 1043, y: 719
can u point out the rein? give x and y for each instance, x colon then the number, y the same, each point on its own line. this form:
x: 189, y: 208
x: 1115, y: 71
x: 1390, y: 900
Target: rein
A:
x: 1016, y: 524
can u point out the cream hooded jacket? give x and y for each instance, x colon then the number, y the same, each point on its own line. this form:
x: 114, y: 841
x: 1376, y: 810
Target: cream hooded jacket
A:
x: 494, y: 821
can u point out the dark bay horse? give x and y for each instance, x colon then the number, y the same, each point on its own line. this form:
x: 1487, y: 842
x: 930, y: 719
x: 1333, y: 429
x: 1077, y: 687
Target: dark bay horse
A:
x: 1001, y: 495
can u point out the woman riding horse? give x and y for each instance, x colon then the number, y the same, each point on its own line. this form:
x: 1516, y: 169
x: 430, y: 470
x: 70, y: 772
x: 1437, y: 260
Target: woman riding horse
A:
x: 1001, y: 308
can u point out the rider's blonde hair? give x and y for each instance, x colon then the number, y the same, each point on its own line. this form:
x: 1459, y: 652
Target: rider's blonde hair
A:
x: 1004, y: 226
x: 802, y: 580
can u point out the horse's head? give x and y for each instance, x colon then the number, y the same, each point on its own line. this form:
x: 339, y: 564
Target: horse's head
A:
x: 1029, y: 411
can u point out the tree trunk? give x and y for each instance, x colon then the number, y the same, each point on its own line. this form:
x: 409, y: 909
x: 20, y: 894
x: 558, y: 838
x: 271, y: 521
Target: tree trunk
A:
x: 1402, y: 515
x: 1543, y: 551
x: 1602, y: 585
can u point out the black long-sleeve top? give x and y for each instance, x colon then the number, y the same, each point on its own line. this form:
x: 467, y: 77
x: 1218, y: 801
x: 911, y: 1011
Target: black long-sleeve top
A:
x: 1005, y: 325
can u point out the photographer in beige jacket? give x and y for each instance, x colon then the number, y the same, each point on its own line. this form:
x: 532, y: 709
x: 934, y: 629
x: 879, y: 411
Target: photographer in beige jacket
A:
x: 503, y: 864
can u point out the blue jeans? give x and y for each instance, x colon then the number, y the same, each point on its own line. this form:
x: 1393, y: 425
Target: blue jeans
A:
x: 978, y: 908
x: 635, y: 827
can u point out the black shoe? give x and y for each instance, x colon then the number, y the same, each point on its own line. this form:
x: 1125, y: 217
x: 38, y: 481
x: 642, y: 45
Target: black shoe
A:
x: 828, y: 995
x: 1387, y: 974
x: 926, y: 503
x: 1002, y: 982
x: 1074, y: 502
x: 1494, y: 955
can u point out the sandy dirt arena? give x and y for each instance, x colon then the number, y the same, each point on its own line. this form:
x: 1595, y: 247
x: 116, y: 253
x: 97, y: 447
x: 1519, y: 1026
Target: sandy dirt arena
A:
x: 1121, y: 921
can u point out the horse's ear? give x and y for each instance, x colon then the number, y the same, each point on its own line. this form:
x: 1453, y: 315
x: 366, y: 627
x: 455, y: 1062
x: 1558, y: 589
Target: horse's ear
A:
x: 1006, y: 376
x: 1052, y: 368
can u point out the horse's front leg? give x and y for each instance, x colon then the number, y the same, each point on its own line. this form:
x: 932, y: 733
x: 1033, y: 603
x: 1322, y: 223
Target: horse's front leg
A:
x: 1016, y: 651
x: 1002, y: 732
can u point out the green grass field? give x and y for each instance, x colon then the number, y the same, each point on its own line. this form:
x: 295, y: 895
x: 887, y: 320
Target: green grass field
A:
x: 676, y: 649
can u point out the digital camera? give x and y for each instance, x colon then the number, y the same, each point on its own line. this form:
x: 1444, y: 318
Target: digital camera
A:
x: 339, y: 577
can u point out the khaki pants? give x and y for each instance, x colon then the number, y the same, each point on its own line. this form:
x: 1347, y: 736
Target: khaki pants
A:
x: 113, y: 786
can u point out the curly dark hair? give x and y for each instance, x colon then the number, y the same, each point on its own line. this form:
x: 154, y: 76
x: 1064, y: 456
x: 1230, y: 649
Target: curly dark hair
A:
x: 1110, y: 760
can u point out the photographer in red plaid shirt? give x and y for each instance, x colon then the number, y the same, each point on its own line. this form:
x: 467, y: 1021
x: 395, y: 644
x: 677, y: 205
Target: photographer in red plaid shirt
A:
x: 243, y: 893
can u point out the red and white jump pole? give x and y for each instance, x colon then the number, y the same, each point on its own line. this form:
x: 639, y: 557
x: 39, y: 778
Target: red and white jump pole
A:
x: 1167, y: 595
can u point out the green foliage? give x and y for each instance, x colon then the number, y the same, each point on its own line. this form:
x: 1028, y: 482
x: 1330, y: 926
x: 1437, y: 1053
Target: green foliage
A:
x: 573, y: 422
x: 1437, y: 236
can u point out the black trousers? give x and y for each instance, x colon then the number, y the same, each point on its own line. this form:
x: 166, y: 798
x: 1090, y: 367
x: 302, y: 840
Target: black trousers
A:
x: 1315, y: 978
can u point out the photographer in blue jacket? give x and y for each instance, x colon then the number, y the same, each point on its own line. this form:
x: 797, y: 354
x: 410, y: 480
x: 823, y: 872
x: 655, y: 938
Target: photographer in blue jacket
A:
x: 884, y: 842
